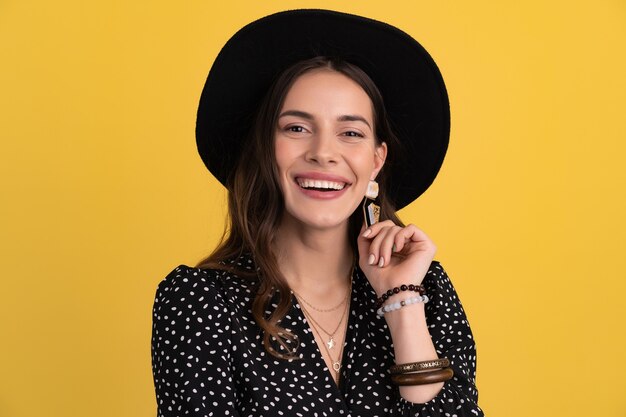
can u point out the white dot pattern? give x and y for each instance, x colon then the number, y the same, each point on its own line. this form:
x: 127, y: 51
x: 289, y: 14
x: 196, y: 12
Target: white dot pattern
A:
x: 208, y: 357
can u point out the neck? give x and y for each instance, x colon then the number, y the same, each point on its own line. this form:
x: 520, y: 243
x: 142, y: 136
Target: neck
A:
x: 314, y: 261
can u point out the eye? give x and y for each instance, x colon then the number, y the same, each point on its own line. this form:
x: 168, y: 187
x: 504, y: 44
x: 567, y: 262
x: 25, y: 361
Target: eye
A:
x: 298, y: 129
x: 353, y: 134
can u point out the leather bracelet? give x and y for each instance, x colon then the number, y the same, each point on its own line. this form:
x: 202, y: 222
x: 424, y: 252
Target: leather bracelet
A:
x: 406, y: 368
x: 411, y: 287
x: 423, y: 378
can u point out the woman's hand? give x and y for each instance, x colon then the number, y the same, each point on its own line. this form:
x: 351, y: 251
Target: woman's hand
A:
x: 392, y: 255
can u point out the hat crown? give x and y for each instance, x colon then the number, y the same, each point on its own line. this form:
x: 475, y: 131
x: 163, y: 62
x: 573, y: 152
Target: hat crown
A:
x: 407, y: 77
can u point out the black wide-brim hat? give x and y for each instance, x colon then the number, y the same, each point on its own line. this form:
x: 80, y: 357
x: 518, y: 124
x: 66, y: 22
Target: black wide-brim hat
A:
x: 413, y: 90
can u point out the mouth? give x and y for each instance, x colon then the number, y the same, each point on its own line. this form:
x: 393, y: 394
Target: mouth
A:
x: 320, y: 185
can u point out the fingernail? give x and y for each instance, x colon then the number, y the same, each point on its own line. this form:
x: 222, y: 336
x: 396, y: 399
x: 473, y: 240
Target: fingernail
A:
x: 367, y: 232
x: 371, y: 259
x: 381, y: 262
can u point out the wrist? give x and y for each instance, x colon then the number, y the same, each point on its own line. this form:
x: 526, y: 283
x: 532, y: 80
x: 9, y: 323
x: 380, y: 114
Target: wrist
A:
x: 409, y: 318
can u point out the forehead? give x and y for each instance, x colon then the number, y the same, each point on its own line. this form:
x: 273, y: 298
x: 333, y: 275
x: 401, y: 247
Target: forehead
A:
x: 324, y: 91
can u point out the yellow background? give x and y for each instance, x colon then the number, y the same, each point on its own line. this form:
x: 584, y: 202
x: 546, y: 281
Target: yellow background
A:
x: 103, y: 192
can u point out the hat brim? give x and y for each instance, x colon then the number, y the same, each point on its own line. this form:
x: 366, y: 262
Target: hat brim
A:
x: 410, y: 82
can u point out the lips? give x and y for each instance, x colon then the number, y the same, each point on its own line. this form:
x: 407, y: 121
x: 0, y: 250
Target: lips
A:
x: 321, y: 185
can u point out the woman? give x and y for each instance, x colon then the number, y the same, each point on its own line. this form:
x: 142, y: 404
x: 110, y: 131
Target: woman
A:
x: 310, y: 300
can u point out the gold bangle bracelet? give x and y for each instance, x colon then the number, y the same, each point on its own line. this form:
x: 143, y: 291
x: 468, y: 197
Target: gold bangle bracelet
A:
x: 423, y: 378
x: 419, y: 366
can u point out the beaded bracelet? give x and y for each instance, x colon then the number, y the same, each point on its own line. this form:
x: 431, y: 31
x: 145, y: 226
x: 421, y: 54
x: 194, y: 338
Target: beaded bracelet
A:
x: 399, y: 304
x: 411, y: 287
x: 405, y: 368
x: 423, y: 378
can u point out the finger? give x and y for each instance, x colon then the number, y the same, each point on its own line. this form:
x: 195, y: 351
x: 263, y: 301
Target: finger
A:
x: 412, y: 233
x: 387, y: 245
x: 399, y: 241
x: 363, y: 245
x: 375, y: 255
x: 409, y: 233
x: 366, y: 256
x: 374, y: 229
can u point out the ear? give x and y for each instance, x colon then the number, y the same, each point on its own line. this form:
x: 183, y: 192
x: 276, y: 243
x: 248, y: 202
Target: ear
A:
x: 380, y: 154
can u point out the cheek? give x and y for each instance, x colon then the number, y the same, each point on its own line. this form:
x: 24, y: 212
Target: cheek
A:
x: 280, y: 153
x: 364, y: 164
x: 285, y: 154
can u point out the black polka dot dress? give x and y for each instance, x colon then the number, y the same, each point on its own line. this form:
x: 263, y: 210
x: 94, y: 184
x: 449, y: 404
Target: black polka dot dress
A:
x: 208, y: 357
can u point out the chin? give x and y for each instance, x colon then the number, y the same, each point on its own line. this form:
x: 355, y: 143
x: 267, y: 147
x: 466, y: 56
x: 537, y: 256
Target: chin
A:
x: 321, y: 221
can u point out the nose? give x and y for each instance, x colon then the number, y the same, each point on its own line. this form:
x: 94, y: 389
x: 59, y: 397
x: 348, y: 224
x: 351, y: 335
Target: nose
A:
x: 322, y: 149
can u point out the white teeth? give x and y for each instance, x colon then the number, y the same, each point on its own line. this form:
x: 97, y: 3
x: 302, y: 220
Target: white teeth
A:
x: 331, y: 185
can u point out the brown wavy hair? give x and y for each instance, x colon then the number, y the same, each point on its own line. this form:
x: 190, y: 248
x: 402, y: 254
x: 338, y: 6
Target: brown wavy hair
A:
x: 256, y: 203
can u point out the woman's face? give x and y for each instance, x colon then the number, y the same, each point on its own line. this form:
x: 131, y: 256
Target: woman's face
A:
x: 326, y: 151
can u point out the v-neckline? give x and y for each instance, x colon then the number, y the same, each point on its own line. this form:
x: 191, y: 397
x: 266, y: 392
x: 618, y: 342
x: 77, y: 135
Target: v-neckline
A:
x: 347, y: 340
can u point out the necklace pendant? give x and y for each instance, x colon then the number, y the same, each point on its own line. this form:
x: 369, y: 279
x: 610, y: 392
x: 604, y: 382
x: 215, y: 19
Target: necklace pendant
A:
x: 336, y: 366
x: 331, y: 343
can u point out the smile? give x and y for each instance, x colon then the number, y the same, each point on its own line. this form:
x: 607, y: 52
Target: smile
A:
x: 320, y: 185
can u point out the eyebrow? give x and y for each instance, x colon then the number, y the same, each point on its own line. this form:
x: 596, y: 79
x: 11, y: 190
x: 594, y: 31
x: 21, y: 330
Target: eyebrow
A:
x: 309, y: 116
x: 296, y: 113
x: 353, y: 118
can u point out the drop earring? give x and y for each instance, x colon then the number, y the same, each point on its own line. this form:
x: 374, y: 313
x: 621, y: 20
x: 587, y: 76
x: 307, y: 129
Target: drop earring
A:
x: 371, y: 211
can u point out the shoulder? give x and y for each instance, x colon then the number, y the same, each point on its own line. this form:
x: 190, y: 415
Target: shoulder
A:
x: 187, y: 286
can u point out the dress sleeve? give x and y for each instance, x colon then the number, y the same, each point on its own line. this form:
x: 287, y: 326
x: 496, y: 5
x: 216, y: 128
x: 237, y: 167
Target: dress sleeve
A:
x: 190, y: 347
x: 452, y: 338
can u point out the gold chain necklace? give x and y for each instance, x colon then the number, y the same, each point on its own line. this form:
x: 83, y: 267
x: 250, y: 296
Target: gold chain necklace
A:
x: 321, y: 310
x: 331, y: 335
x: 335, y: 363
